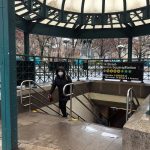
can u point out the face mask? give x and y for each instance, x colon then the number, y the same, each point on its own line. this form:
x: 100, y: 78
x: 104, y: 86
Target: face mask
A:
x: 60, y: 73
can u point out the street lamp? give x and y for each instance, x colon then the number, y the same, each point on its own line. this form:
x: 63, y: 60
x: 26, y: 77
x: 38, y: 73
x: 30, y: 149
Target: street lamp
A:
x: 120, y: 48
x: 66, y: 41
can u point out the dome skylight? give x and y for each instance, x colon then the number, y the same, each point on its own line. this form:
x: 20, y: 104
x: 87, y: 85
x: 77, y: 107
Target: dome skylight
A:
x: 95, y: 6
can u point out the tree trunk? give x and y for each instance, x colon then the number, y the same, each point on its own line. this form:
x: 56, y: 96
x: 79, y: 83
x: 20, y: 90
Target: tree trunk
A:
x: 140, y: 52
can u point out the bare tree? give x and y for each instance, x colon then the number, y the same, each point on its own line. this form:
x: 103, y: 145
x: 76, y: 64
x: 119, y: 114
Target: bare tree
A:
x: 59, y: 44
x: 98, y: 47
x: 42, y: 41
x: 120, y: 47
x: 108, y: 48
x: 141, y: 47
x: 74, y: 45
x: 19, y: 42
x: 44, y: 45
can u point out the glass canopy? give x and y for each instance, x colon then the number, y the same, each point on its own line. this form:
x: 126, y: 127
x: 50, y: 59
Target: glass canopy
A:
x: 85, y: 14
x: 95, y: 6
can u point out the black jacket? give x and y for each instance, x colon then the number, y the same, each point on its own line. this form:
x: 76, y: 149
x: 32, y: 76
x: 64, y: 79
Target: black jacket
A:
x: 60, y: 82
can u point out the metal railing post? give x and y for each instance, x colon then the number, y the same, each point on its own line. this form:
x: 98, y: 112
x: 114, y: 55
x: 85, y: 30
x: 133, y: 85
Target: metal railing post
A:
x: 130, y: 102
x: 71, y: 102
x: 67, y: 66
x: 72, y: 69
x: 53, y: 71
x: 95, y: 68
x: 29, y: 93
x: 127, y: 107
x: 87, y: 76
x: 29, y: 96
x: 78, y: 71
x: 44, y: 72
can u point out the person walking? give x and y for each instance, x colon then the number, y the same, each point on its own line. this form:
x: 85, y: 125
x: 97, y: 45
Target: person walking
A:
x: 60, y: 81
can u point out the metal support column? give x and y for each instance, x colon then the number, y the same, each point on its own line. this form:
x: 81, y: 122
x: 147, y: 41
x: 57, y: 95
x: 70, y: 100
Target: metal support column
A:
x: 26, y: 44
x: 8, y: 75
x: 129, y: 49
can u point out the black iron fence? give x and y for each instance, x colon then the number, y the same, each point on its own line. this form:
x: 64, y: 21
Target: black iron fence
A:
x: 43, y: 71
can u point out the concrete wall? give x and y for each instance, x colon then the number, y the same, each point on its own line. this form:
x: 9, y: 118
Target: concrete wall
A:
x: 102, y: 87
x: 119, y: 88
x: 136, y: 132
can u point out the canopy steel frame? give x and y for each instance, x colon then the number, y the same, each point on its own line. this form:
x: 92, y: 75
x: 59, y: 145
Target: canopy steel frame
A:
x: 39, y: 16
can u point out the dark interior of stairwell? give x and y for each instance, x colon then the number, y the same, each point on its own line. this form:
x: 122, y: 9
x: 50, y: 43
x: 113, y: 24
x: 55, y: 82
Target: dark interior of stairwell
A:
x: 110, y: 116
x: 116, y: 117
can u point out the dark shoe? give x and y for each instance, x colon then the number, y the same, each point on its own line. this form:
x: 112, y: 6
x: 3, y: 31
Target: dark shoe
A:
x: 65, y: 115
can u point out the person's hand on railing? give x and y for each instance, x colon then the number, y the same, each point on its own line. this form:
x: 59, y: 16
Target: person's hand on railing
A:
x: 50, y: 97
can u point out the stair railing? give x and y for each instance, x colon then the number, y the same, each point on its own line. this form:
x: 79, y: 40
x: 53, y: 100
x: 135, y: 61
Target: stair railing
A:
x: 97, y: 118
x: 30, y: 96
x: 70, y: 94
x: 132, y: 103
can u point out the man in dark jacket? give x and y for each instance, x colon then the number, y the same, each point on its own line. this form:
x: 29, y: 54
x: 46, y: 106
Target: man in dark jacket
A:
x: 60, y: 81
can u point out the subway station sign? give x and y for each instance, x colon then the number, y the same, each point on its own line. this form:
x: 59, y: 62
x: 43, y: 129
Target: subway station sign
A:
x: 123, y: 70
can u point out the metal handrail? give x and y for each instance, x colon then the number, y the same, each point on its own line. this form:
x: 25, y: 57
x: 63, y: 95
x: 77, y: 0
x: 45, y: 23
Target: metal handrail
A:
x: 137, y: 101
x: 45, y: 105
x: 130, y: 102
x: 95, y: 116
x: 30, y: 95
x: 76, y: 114
x: 29, y: 81
x: 69, y: 94
x: 92, y: 104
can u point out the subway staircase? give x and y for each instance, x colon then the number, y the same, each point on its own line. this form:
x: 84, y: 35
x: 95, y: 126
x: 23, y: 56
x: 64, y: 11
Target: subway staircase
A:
x: 43, y: 127
x: 37, y: 101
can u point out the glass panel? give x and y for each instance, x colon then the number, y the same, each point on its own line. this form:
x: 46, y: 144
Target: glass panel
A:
x: 41, y: 1
x: 98, y: 26
x: 45, y: 21
x: 32, y: 16
x: 53, y: 23
x: 51, y: 17
x: 53, y: 3
x: 147, y: 21
x: 73, y: 5
x: 61, y: 24
x: 116, y: 26
x: 19, y: 7
x: 133, y: 4
x: 89, y: 27
x: 93, y: 6
x: 70, y: 26
x: 138, y: 23
x: 113, y: 5
x: 16, y: 2
x: 107, y: 26
x: 22, y: 12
